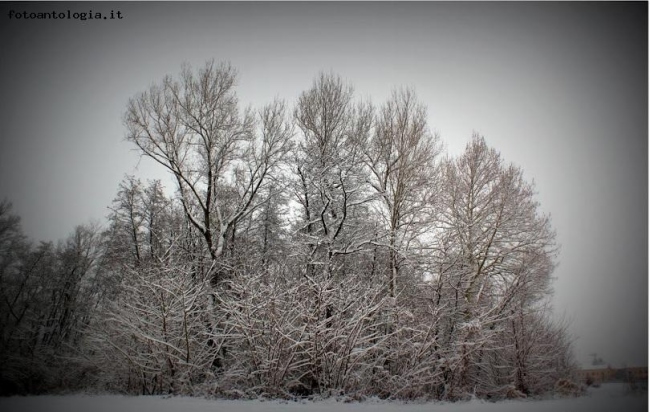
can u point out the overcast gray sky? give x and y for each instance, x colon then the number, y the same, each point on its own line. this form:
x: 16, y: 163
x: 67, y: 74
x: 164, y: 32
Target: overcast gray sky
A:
x: 560, y: 89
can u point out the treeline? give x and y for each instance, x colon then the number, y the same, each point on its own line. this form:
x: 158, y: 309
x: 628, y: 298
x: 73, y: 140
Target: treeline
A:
x: 325, y: 249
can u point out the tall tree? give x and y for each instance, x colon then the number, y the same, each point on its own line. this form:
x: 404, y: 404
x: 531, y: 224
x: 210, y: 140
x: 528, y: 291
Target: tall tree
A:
x: 331, y: 184
x: 193, y: 127
x: 330, y: 187
x: 402, y: 158
x: 498, y: 253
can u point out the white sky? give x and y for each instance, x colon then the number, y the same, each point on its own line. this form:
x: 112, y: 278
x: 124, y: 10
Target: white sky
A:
x: 560, y: 89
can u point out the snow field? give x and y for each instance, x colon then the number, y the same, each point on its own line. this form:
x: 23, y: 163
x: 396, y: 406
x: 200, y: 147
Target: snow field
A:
x: 609, y: 397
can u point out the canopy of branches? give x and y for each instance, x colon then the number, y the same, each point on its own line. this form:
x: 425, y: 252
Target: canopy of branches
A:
x: 322, y: 248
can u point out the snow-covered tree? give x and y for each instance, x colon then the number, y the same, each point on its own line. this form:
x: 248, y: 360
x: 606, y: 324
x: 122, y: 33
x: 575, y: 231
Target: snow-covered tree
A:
x: 151, y: 338
x: 331, y: 191
x: 194, y: 128
x: 331, y: 252
x: 401, y: 155
x: 47, y: 296
x: 494, y: 257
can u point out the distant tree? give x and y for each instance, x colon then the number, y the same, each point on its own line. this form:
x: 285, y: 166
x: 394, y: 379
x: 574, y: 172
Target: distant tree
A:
x: 142, y: 220
x: 596, y: 360
x: 47, y: 296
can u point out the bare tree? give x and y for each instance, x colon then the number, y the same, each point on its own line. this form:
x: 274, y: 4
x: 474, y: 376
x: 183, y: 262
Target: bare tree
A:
x: 47, y: 295
x: 402, y: 157
x: 330, y: 187
x: 142, y: 219
x: 498, y: 255
x: 367, y: 267
x: 194, y: 128
x: 151, y: 338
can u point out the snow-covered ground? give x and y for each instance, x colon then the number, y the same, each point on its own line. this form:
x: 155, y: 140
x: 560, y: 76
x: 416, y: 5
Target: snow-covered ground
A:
x: 609, y: 397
